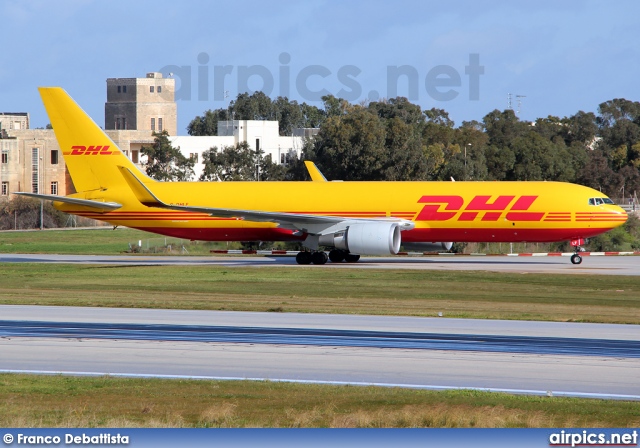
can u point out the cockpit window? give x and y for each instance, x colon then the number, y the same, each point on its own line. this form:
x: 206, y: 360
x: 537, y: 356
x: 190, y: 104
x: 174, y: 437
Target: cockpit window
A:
x: 600, y: 201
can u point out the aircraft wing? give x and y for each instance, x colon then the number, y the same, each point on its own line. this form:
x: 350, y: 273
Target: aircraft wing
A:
x: 103, y: 206
x: 307, y: 223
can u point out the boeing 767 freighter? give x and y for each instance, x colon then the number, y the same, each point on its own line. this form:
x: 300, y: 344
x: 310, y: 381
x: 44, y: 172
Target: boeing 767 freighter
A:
x: 348, y: 218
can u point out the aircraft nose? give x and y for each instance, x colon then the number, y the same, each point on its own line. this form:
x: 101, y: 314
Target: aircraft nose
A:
x: 622, y: 211
x: 621, y: 214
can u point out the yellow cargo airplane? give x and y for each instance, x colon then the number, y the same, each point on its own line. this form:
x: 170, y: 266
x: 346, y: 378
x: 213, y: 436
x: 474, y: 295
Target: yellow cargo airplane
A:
x: 348, y: 218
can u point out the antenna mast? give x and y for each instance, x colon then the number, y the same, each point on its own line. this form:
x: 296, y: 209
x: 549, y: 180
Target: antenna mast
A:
x: 519, y: 98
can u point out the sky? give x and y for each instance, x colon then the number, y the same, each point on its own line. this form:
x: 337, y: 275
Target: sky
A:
x: 463, y: 56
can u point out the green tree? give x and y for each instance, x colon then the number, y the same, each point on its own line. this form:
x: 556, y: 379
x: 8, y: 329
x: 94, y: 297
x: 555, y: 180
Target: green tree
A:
x: 629, y: 178
x: 313, y: 116
x: 22, y: 212
x: 239, y: 162
x: 164, y: 162
x: 549, y: 127
x: 352, y: 146
x: 208, y: 123
x: 439, y: 116
x: 271, y: 171
x: 617, y: 109
x: 623, y: 132
x: 580, y: 127
x: 335, y: 107
x: 536, y: 158
x: 597, y: 174
x: 258, y: 106
x: 453, y: 167
x: 438, y: 128
x: 434, y: 156
x: 578, y: 156
x: 395, y: 140
x: 473, y: 142
x: 504, y: 127
x: 500, y: 162
x: 634, y: 155
x: 405, y: 158
x: 619, y: 157
x: 619, y: 128
x: 289, y: 115
x: 296, y: 169
x: 399, y: 108
x: 231, y: 163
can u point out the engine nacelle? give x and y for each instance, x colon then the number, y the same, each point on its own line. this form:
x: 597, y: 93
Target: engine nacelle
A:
x: 428, y: 247
x: 375, y: 238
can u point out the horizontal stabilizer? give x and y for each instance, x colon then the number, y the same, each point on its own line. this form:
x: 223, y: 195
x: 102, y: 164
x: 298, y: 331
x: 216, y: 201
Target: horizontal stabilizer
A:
x: 140, y: 190
x: 104, y: 206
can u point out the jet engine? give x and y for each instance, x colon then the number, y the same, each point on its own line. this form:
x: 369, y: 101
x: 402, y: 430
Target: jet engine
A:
x: 375, y: 238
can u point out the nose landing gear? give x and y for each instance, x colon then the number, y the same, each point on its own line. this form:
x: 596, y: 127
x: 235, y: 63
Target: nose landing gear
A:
x: 576, y: 258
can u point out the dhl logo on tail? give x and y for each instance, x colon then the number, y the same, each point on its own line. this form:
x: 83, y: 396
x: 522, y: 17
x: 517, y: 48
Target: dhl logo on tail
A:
x: 91, y: 151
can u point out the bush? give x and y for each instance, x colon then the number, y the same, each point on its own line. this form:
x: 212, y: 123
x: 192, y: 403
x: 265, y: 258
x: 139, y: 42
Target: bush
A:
x: 24, y: 213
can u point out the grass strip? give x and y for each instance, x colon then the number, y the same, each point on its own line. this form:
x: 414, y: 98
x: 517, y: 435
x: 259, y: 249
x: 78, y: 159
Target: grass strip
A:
x: 60, y: 401
x: 467, y: 294
x: 101, y: 241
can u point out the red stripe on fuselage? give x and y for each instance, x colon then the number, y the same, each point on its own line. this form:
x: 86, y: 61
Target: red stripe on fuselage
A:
x: 511, y: 235
x: 410, y: 236
x: 226, y: 234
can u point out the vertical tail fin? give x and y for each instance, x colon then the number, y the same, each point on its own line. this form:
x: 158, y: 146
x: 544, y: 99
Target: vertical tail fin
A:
x: 92, y: 158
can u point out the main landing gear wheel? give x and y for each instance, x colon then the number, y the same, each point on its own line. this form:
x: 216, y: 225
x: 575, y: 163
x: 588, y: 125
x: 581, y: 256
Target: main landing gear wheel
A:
x: 337, y: 255
x: 303, y: 258
x: 351, y: 258
x: 576, y: 259
x: 317, y: 257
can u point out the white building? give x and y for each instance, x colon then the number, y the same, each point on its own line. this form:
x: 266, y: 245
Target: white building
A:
x: 260, y: 135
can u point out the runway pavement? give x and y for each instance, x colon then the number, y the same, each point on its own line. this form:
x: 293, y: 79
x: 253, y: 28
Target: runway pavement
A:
x: 615, y: 265
x: 577, y: 372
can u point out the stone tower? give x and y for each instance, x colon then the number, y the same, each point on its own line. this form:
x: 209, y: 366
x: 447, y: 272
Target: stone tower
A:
x: 143, y: 104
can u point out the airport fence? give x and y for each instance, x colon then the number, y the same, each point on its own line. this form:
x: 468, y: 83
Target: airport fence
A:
x: 166, y: 245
